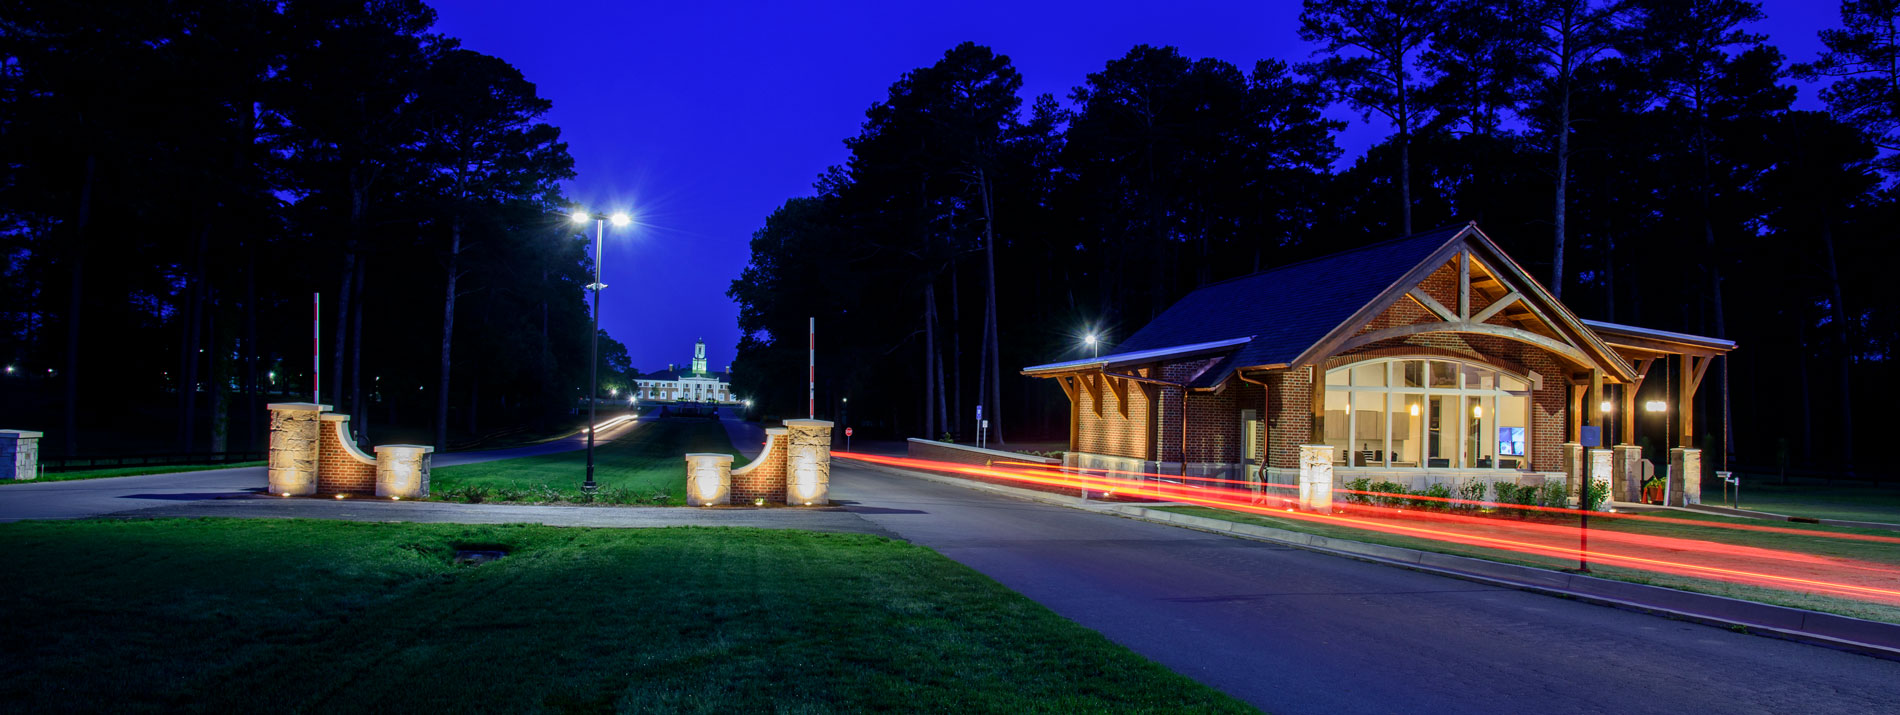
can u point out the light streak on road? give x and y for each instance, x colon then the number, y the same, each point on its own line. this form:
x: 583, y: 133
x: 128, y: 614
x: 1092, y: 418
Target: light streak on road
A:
x: 1760, y: 562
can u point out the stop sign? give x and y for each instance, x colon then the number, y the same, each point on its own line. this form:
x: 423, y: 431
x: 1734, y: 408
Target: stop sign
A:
x: 847, y: 431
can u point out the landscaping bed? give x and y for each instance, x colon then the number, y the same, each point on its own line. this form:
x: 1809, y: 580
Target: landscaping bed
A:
x: 295, y: 615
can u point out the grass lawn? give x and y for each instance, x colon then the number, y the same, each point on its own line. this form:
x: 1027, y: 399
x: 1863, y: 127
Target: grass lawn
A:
x: 128, y: 472
x: 1856, y: 503
x: 1879, y: 553
x: 645, y: 465
x: 229, y: 615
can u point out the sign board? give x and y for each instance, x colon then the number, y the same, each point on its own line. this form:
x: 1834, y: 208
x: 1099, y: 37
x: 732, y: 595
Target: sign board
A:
x: 847, y: 431
x: 1591, y: 436
x: 979, y: 413
x: 986, y: 424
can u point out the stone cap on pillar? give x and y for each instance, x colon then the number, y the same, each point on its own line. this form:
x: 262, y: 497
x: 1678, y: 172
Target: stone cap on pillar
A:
x: 20, y: 434
x: 425, y: 448
x: 719, y: 456
x: 299, y: 406
x: 769, y: 431
x: 809, y: 423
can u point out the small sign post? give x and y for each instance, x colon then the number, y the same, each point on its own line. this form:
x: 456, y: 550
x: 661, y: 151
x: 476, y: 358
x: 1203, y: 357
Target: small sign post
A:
x: 847, y: 439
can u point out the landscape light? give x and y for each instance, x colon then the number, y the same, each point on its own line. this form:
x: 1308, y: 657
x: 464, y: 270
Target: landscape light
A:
x: 339, y: 495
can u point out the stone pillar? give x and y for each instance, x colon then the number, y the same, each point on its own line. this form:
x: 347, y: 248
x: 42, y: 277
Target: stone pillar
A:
x: 402, y: 471
x: 708, y: 479
x: 1602, y: 467
x: 1573, y: 470
x: 19, y: 454
x: 1685, y: 476
x: 1626, y: 473
x: 293, y: 448
x: 808, y: 462
x: 1316, y: 477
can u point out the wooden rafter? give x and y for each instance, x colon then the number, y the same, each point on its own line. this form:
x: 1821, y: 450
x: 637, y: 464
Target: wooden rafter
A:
x: 1120, y: 388
x: 1464, y: 285
x: 1517, y: 334
x: 1497, y: 306
x: 1095, y: 391
x: 1426, y: 301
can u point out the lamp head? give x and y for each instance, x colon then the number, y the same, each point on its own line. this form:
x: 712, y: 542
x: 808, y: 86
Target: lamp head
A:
x: 580, y: 217
x: 620, y: 220
x: 1089, y: 339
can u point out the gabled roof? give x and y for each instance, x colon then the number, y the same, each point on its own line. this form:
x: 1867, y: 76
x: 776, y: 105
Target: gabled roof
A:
x: 1302, y: 312
x: 1288, y: 309
x: 676, y: 375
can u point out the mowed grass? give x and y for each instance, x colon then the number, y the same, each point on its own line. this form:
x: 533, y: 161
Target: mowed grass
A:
x: 299, y: 616
x: 128, y: 472
x: 646, y: 461
x: 1855, y: 503
x: 1886, y: 554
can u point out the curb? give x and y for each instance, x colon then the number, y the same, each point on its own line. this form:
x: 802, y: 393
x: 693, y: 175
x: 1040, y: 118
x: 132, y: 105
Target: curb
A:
x: 1874, y: 638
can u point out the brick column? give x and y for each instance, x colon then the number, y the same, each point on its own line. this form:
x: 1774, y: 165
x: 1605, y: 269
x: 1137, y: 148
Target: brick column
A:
x: 1685, y: 476
x: 764, y: 478
x: 19, y: 454
x: 708, y: 479
x: 808, y: 462
x: 292, y: 467
x: 1602, y: 468
x: 1626, y: 473
x: 402, y: 470
x: 1316, y: 477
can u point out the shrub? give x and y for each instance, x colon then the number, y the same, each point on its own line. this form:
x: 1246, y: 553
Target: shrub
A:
x: 1511, y: 494
x: 1439, y: 492
x: 660, y: 497
x: 1595, y: 495
x: 1553, y: 494
x: 474, y: 494
x: 1391, y: 494
x: 618, y: 495
x: 1471, y: 491
x: 1358, y: 487
x: 512, y: 494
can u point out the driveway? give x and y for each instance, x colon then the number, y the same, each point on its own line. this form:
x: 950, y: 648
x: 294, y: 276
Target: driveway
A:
x: 1295, y: 631
x: 83, y: 498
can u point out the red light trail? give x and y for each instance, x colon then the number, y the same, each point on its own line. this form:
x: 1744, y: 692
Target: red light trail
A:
x: 1746, y: 565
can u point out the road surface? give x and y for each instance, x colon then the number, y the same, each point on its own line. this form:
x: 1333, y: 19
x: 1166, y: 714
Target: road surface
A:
x: 1295, y: 631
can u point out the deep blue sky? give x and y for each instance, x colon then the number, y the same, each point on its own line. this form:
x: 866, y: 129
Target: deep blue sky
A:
x: 702, y: 117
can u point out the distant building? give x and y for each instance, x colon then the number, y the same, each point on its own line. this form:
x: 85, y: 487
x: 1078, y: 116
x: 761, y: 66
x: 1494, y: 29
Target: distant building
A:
x: 694, y: 385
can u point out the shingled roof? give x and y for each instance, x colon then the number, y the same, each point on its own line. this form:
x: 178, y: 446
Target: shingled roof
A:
x: 1285, y: 310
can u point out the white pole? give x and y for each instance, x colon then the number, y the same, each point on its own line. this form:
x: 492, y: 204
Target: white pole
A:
x: 316, y: 350
x: 811, y: 363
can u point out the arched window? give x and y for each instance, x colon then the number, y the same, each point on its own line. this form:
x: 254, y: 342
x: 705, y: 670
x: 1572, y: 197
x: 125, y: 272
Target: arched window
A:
x: 1427, y: 413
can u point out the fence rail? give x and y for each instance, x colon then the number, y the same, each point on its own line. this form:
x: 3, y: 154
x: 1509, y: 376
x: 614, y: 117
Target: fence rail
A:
x: 68, y: 464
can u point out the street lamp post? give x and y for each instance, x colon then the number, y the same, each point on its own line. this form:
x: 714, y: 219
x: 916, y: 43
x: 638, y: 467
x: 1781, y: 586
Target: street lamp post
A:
x: 593, y: 352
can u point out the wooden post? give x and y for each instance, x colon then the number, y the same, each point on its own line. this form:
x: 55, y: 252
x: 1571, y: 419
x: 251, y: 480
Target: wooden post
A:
x: 1595, y: 406
x: 1685, y: 401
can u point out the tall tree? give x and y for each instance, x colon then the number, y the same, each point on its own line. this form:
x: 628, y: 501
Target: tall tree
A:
x: 1862, y: 64
x: 1370, y: 50
x: 1568, y: 36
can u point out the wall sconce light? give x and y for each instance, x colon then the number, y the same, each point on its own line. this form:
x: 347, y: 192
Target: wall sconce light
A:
x: 1604, y: 407
x: 1414, y: 409
x: 1655, y: 406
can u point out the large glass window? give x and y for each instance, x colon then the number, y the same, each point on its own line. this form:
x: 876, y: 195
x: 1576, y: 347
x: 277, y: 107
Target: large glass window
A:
x: 1427, y: 413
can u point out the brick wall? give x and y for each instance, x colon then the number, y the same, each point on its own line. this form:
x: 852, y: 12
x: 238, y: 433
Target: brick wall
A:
x: 767, y: 480
x: 1290, y: 418
x: 1110, y: 432
x: 337, y: 469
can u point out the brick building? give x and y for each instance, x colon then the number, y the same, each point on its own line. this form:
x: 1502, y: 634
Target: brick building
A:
x: 1431, y: 358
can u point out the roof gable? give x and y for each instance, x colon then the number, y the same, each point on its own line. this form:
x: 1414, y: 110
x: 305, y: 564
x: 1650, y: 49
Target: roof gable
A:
x: 1301, y: 313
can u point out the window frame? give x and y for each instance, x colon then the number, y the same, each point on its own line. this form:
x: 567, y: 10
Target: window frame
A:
x: 1391, y: 369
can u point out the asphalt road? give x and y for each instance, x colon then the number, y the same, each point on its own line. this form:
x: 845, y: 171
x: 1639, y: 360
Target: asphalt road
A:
x: 1294, y: 631
x: 81, y: 498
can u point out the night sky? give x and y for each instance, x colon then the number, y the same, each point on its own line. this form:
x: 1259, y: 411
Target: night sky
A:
x: 701, y: 118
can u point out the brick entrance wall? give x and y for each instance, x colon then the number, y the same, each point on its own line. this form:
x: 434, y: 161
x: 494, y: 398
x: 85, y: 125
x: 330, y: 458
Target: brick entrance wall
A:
x: 339, y: 467
x: 1111, y: 433
x: 765, y: 478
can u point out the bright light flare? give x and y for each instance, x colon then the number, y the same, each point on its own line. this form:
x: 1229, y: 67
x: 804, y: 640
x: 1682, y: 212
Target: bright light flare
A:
x: 581, y: 217
x: 620, y: 220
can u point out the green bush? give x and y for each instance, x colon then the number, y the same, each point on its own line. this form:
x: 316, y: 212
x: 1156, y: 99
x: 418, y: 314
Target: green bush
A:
x: 1472, y: 491
x: 618, y: 495
x: 1362, y: 484
x: 1595, y: 495
x: 1391, y: 494
x: 1554, y: 494
x: 660, y: 497
x: 1510, y: 494
x: 1439, y: 492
